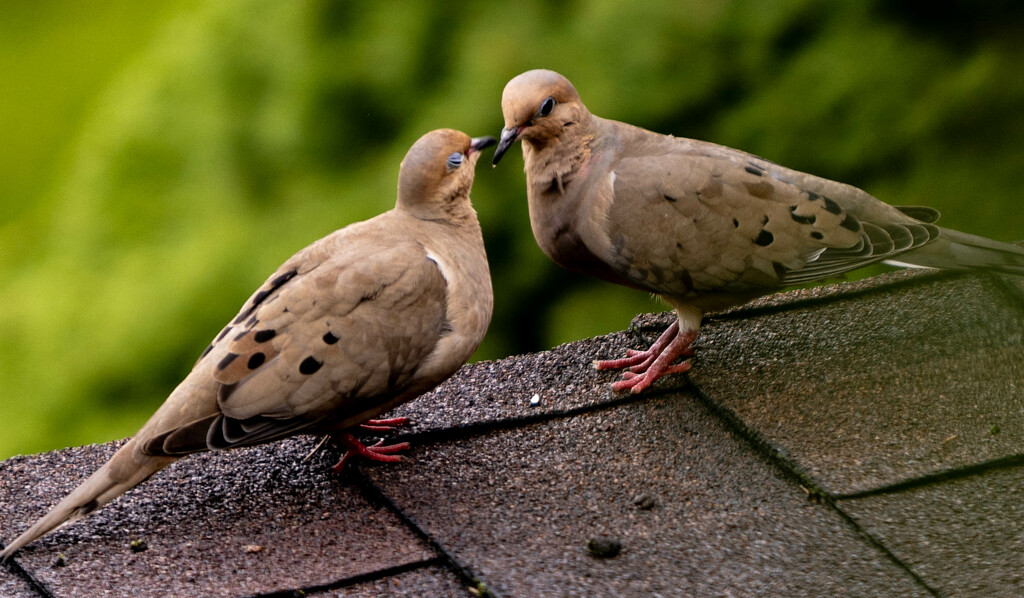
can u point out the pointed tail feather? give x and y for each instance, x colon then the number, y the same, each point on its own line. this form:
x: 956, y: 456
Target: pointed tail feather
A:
x: 125, y: 470
x: 963, y: 251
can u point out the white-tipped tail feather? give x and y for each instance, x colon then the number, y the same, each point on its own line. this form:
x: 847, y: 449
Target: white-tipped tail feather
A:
x: 963, y: 251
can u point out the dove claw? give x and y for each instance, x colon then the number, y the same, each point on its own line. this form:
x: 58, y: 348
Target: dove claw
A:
x: 645, y: 367
x: 376, y: 452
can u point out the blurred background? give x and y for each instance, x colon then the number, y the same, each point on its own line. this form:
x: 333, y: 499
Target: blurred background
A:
x: 160, y: 159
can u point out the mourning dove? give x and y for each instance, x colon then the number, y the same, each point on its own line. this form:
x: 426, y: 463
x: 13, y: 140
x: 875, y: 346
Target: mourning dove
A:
x: 360, y: 321
x: 701, y: 225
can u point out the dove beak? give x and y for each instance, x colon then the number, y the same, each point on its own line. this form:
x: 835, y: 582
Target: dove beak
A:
x: 509, y: 135
x: 478, y: 143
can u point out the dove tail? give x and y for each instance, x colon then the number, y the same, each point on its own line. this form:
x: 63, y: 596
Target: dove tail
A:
x: 126, y: 469
x: 962, y: 251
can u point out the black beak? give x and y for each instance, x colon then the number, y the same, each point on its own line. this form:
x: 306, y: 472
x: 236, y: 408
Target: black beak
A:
x: 508, y: 137
x: 478, y: 143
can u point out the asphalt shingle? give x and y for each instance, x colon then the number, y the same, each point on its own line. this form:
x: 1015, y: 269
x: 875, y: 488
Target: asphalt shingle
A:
x: 878, y: 388
x: 225, y: 524
x: 964, y: 537
x: 900, y: 398
x: 519, y: 507
x: 426, y: 581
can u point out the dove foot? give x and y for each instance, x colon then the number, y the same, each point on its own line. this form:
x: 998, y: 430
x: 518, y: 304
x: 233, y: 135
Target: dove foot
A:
x: 384, y: 425
x: 647, y: 366
x: 374, y: 452
x: 641, y: 359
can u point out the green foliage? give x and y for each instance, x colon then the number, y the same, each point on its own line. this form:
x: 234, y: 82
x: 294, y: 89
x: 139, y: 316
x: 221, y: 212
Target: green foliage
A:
x: 162, y: 158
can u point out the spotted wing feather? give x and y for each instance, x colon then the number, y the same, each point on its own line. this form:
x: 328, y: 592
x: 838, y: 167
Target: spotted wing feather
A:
x: 320, y: 346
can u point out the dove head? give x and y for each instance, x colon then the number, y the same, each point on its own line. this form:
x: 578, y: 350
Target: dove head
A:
x: 538, y: 106
x: 436, y: 174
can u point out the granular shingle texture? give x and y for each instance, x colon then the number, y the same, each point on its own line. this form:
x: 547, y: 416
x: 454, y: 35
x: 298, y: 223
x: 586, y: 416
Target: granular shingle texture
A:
x: 965, y: 535
x: 426, y: 581
x: 523, y: 504
x: 862, y: 439
x: 877, y: 389
x: 225, y: 524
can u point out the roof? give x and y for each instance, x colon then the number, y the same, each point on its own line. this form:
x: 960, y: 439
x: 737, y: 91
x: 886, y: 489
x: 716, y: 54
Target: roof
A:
x: 860, y: 439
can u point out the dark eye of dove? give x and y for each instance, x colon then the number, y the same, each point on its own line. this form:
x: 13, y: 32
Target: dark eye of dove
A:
x: 546, y: 107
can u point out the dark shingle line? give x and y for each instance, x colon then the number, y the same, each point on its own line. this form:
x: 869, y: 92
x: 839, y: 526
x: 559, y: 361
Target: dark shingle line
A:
x: 353, y: 580
x: 461, y: 431
x: 1007, y: 462
x: 14, y: 565
x: 789, y: 469
x: 840, y: 293
x: 375, y: 495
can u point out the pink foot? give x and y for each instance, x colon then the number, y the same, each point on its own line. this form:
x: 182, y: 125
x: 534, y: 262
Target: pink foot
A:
x: 375, y: 452
x: 647, y: 366
x: 384, y: 425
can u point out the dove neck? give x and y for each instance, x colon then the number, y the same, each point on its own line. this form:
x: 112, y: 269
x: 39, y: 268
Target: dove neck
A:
x: 457, y: 211
x: 553, y: 165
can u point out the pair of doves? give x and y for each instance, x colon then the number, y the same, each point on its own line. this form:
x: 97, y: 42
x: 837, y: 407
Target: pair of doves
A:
x: 381, y: 311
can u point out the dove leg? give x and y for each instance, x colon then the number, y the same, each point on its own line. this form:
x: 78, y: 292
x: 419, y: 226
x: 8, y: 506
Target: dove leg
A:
x: 374, y: 452
x: 645, y: 367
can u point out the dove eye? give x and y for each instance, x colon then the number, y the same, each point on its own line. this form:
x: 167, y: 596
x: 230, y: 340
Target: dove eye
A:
x: 455, y: 160
x: 546, y: 107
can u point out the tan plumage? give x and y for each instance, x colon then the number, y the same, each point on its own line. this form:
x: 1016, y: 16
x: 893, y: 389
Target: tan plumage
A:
x: 358, y: 322
x: 702, y: 225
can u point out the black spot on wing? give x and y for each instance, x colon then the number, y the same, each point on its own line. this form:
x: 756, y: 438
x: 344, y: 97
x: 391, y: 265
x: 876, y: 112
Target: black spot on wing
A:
x: 261, y: 296
x: 330, y: 339
x: 817, y: 235
x: 754, y: 170
x: 256, y: 360
x: 225, y: 391
x: 670, y: 198
x: 206, y: 351
x: 256, y: 300
x: 262, y: 336
x: 832, y: 206
x: 735, y: 223
x: 800, y: 219
x: 222, y: 334
x: 764, y: 238
x: 280, y: 280
x: 310, y: 365
x: 850, y: 223
x: 230, y: 357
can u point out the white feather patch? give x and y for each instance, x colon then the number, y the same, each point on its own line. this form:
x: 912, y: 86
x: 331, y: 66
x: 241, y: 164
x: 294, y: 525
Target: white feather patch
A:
x: 440, y: 265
